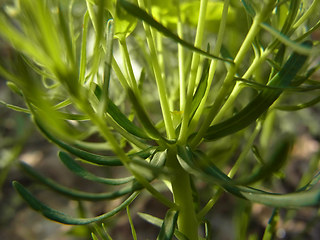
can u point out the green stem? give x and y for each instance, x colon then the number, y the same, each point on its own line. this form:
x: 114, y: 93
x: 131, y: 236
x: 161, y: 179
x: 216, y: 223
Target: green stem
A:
x: 128, y: 66
x: 159, y: 80
x: 238, y: 87
x: 83, y: 49
x: 213, y: 65
x: 228, y: 84
x: 193, y: 72
x: 181, y: 60
x: 182, y: 193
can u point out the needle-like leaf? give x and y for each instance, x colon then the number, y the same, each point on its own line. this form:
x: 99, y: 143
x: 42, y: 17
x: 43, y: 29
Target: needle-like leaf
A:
x: 60, y: 217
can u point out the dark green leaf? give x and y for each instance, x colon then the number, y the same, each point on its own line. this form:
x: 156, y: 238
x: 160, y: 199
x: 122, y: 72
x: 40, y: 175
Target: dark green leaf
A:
x: 91, y: 157
x: 119, y: 117
x: 124, y: 122
x: 298, y: 47
x: 80, y: 171
x: 168, y: 225
x: 143, y: 117
x: 144, y: 16
x: 202, y: 168
x: 61, y: 217
x: 198, y: 95
x: 75, y: 194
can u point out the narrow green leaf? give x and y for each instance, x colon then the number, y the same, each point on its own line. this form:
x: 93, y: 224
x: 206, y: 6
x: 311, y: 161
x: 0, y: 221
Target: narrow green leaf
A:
x: 133, y: 230
x: 290, y: 200
x: 73, y: 166
x: 144, y: 16
x: 315, y: 180
x: 143, y: 117
x: 262, y: 102
x: 124, y: 122
x: 15, y: 108
x: 271, y: 227
x: 151, y: 219
x: 248, y: 7
x: 204, y: 169
x: 75, y: 194
x: 60, y: 217
x: 66, y: 116
x: 108, y: 68
x: 91, y: 157
x: 66, y: 36
x: 168, y: 225
x: 299, y: 106
x: 83, y: 53
x: 102, y: 232
x: 198, y: 95
x: 201, y: 169
x: 297, y: 47
x: 119, y: 117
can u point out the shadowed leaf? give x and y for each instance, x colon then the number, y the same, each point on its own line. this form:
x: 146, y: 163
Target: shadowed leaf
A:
x: 168, y: 225
x: 73, y: 166
x: 57, y: 216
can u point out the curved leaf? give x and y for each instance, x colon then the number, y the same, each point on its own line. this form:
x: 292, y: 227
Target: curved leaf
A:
x: 198, y: 95
x: 299, y: 106
x: 168, y: 225
x: 75, y: 194
x: 149, y: 127
x: 298, y: 47
x: 124, y: 122
x: 119, y: 117
x: 202, y: 168
x: 73, y: 166
x: 91, y: 157
x: 57, y: 216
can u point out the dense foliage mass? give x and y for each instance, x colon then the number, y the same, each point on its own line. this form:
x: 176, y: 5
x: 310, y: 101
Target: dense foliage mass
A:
x: 175, y: 92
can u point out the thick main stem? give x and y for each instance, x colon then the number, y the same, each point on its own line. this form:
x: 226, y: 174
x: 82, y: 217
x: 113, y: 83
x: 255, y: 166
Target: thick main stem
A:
x: 182, y: 193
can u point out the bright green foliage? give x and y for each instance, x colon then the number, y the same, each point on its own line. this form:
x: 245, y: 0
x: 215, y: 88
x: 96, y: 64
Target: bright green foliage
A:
x: 188, y: 115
